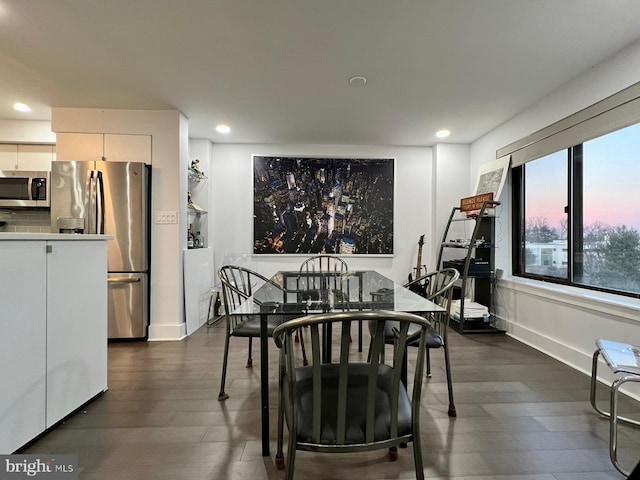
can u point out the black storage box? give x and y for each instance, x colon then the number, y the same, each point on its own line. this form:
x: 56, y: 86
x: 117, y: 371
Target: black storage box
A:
x: 477, y: 267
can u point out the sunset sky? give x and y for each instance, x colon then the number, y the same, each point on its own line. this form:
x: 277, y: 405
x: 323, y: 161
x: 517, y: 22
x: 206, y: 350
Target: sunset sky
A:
x: 611, y: 182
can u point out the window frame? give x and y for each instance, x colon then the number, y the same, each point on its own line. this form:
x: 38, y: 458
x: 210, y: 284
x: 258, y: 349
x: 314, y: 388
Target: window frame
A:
x: 575, y: 226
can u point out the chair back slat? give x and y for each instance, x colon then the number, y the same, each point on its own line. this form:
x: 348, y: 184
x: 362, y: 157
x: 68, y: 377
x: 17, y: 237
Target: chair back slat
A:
x: 317, y: 382
x: 343, y: 381
x: 417, y: 385
x: 375, y: 356
x: 398, y: 359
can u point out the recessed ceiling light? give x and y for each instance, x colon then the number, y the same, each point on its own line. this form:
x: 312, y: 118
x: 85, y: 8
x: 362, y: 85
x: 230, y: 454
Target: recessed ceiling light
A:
x: 443, y: 133
x: 223, y: 129
x: 358, y: 81
x: 21, y: 107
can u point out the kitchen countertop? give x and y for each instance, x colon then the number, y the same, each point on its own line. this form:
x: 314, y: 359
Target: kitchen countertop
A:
x: 51, y: 236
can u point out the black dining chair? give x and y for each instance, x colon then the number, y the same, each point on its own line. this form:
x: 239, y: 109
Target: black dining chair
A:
x: 319, y: 282
x: 436, y: 286
x: 349, y: 405
x: 238, y: 284
x: 321, y: 274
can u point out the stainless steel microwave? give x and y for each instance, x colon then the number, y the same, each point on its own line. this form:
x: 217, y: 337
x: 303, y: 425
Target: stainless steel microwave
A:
x: 21, y: 188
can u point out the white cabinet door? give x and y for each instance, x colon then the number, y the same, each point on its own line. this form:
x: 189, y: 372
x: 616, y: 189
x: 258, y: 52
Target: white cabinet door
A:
x: 8, y: 157
x: 94, y: 146
x: 79, y: 146
x: 22, y: 342
x: 35, y: 157
x: 76, y: 325
x: 127, y: 148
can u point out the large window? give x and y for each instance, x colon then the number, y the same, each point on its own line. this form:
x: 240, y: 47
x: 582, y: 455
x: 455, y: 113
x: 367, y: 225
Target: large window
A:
x: 578, y: 215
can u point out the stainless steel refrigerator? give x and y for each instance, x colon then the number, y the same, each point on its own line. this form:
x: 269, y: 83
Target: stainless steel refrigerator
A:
x: 111, y: 198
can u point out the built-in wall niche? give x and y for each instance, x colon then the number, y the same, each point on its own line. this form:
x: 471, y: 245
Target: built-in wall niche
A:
x: 199, y: 269
x: 198, y: 185
x: 197, y: 199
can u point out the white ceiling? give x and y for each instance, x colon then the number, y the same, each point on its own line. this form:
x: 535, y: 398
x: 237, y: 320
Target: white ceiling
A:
x: 277, y: 71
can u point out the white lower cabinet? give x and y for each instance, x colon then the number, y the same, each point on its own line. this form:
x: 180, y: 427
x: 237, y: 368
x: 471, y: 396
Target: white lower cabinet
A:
x: 76, y: 325
x: 23, y: 331
x: 53, y: 337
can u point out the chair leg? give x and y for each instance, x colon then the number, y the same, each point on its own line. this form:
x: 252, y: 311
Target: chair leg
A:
x: 223, y: 395
x: 370, y: 349
x: 428, y: 374
x: 250, y: 358
x: 447, y: 365
x: 305, y: 362
x: 393, y: 453
x: 417, y: 456
x: 279, y: 456
x: 291, y: 457
x: 613, y: 426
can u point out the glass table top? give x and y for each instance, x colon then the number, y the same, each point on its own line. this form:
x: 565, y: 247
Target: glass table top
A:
x: 291, y: 292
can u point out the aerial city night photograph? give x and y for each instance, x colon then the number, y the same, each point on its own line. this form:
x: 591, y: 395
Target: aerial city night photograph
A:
x: 323, y: 205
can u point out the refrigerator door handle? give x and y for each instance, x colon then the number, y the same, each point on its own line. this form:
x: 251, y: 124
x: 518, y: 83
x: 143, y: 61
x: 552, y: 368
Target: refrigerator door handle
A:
x: 91, y: 213
x: 124, y: 279
x: 99, y: 203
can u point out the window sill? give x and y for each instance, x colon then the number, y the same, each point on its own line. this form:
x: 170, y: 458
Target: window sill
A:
x: 601, y: 302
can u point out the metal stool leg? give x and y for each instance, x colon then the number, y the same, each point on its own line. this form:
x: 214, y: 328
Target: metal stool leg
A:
x: 612, y: 414
x: 594, y: 382
x: 614, y: 418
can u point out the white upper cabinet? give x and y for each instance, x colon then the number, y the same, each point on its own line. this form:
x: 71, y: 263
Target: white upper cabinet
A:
x: 96, y: 146
x: 127, y: 148
x: 26, y: 157
x: 35, y: 157
x: 79, y: 146
x: 8, y: 157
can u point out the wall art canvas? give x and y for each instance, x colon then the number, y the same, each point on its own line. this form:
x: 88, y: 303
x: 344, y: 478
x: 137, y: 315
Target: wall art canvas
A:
x: 313, y: 205
x: 492, y: 176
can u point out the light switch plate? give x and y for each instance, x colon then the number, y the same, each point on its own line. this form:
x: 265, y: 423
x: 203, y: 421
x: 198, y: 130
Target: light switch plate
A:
x: 166, y: 217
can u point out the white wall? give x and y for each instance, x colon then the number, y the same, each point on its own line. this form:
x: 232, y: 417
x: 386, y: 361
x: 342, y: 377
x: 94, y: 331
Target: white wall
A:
x: 450, y: 173
x: 564, y: 322
x: 231, y: 208
x: 26, y: 131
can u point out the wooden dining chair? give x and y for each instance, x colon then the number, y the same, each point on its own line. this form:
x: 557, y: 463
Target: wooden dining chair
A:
x: 436, y: 286
x: 349, y: 405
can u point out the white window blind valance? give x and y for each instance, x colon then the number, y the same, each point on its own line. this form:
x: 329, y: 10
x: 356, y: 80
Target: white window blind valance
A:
x: 613, y: 113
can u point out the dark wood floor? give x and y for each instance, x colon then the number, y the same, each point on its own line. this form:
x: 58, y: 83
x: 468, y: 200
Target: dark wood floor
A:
x: 521, y: 416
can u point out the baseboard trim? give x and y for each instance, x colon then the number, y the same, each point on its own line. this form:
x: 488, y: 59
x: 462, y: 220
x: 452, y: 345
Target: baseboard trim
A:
x: 162, y: 333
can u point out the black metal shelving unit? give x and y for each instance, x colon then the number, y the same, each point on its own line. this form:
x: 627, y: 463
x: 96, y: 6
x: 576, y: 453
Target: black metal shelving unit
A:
x: 476, y: 266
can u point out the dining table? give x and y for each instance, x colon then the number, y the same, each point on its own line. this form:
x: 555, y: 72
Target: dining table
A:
x: 289, y: 293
